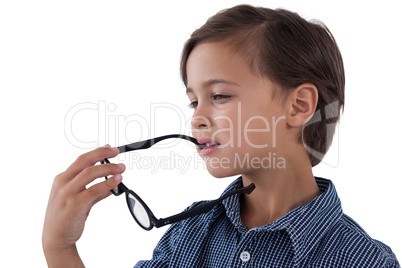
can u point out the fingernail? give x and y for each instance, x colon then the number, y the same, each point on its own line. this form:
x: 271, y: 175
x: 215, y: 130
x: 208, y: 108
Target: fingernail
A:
x: 106, y: 146
x: 115, y: 149
x: 118, y: 178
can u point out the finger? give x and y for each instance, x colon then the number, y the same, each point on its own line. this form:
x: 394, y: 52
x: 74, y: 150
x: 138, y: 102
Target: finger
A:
x: 101, y: 190
x: 89, y: 159
x: 91, y: 173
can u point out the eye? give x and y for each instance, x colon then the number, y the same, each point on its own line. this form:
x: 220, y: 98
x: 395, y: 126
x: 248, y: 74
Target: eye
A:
x: 193, y: 104
x: 220, y: 97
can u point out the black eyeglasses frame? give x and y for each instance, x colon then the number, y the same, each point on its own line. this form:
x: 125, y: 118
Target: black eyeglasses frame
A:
x: 154, y: 222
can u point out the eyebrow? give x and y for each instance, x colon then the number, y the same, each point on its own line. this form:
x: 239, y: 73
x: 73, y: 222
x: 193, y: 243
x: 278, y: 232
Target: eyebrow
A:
x: 212, y: 82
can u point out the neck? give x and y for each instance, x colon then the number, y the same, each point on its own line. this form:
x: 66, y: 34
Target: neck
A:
x: 277, y: 192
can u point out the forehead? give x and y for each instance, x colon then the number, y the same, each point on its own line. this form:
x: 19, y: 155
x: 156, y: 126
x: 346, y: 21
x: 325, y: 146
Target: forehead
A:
x: 216, y: 64
x: 216, y: 61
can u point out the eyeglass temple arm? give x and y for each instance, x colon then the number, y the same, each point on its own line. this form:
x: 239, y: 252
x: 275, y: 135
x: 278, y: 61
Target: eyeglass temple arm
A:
x: 150, y: 142
x: 201, y: 208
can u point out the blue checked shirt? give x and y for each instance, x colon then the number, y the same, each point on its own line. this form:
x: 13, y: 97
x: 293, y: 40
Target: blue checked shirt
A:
x: 317, y: 234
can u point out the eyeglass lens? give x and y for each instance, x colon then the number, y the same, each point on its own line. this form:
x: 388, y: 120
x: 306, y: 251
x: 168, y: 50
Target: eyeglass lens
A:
x: 138, y: 211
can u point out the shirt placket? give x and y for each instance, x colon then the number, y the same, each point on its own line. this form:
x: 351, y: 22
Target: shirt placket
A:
x: 243, y: 257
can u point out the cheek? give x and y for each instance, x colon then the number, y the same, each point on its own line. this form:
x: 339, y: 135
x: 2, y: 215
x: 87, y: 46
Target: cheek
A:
x: 256, y: 132
x: 226, y: 127
x: 262, y: 127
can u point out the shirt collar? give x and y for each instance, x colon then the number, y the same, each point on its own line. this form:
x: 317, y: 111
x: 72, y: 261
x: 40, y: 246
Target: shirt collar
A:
x: 305, y: 224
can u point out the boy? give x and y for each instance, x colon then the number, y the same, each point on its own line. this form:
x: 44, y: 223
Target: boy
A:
x: 265, y: 85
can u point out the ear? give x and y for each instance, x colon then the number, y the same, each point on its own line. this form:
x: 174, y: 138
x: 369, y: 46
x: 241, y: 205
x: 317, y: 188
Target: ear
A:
x: 301, y: 104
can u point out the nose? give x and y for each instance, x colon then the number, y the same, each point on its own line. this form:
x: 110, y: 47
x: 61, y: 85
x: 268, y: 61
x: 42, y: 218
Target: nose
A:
x: 200, y: 119
x: 200, y: 122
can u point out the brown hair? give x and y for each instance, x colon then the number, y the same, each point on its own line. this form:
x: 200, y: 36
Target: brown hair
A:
x: 288, y: 50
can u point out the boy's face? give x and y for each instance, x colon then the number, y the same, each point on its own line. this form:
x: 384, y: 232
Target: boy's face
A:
x: 235, y: 109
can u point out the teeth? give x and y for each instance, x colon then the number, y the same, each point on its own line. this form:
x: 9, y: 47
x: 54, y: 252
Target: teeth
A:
x: 210, y: 144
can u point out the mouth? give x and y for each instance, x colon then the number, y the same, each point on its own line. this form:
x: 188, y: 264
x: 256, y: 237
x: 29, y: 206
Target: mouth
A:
x: 211, y: 144
x: 208, y: 146
x: 207, y: 142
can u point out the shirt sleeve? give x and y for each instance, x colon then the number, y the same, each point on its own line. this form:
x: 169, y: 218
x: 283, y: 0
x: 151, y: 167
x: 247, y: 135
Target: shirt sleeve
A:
x: 392, y: 263
x: 163, y: 251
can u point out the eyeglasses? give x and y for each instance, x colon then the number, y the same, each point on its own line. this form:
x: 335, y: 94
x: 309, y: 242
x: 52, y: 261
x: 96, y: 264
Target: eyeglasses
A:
x: 141, y: 212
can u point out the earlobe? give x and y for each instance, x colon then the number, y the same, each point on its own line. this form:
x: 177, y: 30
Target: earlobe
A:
x: 301, y: 103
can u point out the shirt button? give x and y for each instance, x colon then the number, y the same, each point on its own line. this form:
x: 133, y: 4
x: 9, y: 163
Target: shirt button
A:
x: 245, y: 256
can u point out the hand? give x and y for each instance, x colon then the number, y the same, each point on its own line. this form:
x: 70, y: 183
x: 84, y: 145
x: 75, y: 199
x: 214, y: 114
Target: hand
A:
x: 71, y: 201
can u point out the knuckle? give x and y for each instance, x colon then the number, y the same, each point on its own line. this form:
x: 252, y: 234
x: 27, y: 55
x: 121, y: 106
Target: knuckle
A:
x: 83, y: 159
x: 110, y: 183
x: 98, y: 192
x: 87, y: 171
x: 93, y: 191
x: 58, y: 178
x: 58, y: 182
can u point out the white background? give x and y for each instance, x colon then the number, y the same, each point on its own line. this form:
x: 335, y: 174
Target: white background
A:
x: 120, y: 57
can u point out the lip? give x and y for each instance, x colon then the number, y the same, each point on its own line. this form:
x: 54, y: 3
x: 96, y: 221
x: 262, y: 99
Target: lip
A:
x: 209, y: 149
x: 204, y: 140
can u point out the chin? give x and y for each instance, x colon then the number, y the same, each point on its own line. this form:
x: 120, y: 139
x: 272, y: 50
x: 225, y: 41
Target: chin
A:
x: 221, y: 172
